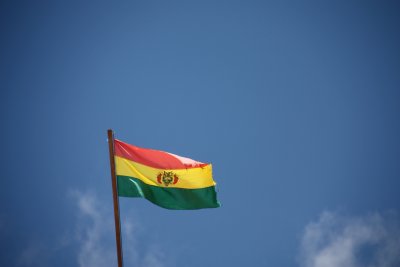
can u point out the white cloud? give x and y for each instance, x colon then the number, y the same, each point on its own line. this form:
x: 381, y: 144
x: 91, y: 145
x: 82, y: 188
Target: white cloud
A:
x: 340, y: 241
x: 95, y: 233
x: 95, y: 247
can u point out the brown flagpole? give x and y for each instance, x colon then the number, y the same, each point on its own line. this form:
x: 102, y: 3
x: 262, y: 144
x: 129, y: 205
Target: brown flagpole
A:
x: 115, y: 198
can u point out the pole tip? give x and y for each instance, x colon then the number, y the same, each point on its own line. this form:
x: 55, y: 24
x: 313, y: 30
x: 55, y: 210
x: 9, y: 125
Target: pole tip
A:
x: 110, y: 134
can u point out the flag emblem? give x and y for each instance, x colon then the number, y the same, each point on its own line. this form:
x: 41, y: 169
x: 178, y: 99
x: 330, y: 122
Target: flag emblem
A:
x: 167, y: 178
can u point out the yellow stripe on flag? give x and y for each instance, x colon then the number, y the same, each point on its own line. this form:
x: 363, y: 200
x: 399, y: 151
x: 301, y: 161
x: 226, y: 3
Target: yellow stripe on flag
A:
x: 187, y: 178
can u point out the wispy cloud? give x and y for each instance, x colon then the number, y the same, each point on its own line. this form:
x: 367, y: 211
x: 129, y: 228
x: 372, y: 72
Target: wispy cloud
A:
x: 342, y: 241
x: 93, y: 231
x: 96, y: 239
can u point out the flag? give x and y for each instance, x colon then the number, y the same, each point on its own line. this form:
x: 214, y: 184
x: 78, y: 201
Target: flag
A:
x: 167, y: 180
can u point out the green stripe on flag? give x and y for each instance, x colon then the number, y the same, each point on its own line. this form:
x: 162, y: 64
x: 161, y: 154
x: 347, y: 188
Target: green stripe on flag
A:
x: 169, y: 198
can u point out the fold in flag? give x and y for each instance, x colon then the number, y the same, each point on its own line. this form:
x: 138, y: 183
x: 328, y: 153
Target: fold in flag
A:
x: 167, y: 180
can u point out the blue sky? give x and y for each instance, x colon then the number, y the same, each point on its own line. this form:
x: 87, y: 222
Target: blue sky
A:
x: 296, y: 105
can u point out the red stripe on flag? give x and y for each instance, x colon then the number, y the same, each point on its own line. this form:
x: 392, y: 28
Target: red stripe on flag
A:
x: 154, y: 158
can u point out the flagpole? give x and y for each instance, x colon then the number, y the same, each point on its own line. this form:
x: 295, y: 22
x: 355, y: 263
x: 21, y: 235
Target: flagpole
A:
x: 115, y: 198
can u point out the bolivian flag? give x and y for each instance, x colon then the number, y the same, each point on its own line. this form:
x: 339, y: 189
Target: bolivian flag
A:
x: 167, y: 180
